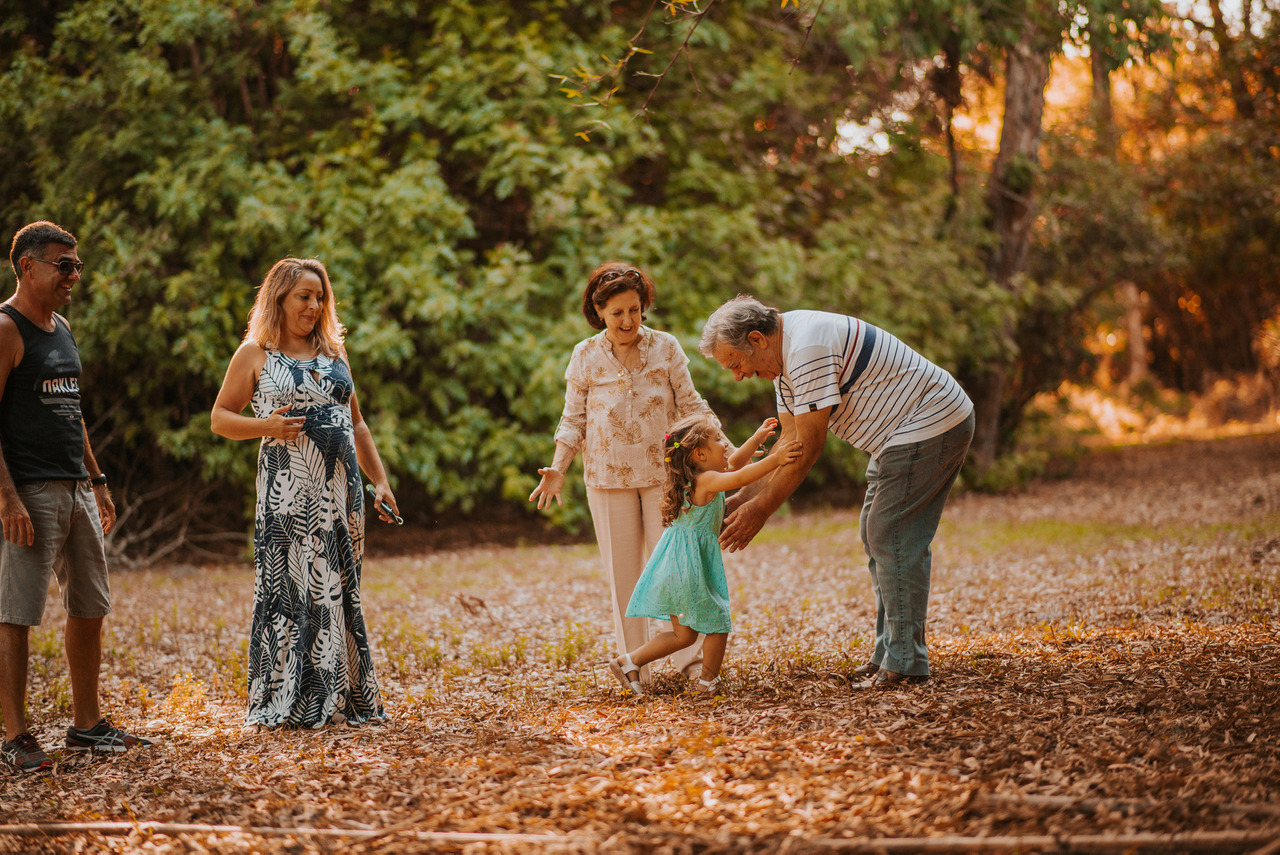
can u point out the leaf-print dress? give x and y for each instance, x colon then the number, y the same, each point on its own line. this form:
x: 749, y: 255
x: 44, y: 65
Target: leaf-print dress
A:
x: 309, y: 658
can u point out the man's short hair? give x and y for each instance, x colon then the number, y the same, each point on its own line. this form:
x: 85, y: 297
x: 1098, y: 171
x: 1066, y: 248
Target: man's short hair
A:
x: 33, y: 238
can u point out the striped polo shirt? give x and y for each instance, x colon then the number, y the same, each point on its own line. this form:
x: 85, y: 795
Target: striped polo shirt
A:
x: 882, y: 392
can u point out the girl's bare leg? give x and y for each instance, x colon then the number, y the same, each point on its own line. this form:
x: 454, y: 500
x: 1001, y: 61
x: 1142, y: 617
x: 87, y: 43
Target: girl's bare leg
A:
x: 713, y: 654
x: 665, y: 643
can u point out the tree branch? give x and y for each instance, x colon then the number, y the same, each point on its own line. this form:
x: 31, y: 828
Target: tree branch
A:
x: 807, y: 32
x: 683, y: 49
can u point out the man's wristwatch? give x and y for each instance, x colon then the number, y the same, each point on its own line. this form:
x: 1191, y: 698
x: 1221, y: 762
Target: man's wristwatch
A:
x: 98, y: 480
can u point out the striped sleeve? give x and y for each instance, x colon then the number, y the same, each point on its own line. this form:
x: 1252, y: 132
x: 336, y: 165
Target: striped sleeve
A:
x: 882, y: 392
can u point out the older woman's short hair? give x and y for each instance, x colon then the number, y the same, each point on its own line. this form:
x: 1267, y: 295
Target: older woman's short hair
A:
x: 734, y: 321
x: 608, y: 281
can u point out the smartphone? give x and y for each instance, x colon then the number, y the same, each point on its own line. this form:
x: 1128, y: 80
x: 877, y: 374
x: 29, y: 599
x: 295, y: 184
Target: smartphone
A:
x: 384, y: 507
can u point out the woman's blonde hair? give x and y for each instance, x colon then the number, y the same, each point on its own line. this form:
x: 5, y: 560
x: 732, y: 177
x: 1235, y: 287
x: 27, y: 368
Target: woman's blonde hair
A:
x: 683, y: 438
x: 266, y: 317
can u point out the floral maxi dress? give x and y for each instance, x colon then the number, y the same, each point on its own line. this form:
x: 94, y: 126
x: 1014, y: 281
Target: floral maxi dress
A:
x: 309, y: 657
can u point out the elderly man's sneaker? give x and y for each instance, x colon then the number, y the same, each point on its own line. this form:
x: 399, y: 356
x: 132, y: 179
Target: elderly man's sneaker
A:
x: 103, y: 737
x: 24, y: 754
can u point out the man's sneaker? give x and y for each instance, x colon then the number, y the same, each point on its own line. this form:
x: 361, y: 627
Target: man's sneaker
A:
x: 24, y: 754
x: 103, y: 737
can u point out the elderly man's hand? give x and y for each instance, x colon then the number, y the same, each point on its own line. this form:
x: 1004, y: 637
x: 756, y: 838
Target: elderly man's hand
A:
x: 741, y: 526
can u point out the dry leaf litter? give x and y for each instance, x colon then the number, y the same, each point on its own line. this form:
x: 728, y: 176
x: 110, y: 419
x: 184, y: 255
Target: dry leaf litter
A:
x: 1106, y: 666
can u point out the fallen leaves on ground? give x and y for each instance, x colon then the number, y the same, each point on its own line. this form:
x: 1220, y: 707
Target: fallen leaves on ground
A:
x: 1105, y: 660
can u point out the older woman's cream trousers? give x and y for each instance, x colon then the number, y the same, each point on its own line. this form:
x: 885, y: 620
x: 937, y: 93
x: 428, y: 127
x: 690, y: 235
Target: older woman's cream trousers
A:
x: 628, y: 525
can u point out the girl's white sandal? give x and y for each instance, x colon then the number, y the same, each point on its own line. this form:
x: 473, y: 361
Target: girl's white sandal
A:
x: 621, y: 666
x: 706, y: 687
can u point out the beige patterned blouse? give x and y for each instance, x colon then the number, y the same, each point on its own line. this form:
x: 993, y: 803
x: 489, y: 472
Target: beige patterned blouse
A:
x: 617, y: 418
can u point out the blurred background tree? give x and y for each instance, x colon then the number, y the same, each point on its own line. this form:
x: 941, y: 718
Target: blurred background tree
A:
x: 461, y: 166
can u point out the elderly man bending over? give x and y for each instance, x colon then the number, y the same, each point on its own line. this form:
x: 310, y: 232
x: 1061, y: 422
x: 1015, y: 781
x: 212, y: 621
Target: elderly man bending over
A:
x: 839, y: 373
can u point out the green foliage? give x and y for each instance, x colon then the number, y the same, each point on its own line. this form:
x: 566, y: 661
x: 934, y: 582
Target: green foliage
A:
x: 576, y: 640
x: 429, y: 152
x: 425, y: 155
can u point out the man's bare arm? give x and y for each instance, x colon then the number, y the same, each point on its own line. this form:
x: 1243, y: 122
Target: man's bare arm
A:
x: 756, y: 502
x: 101, y: 493
x: 13, y: 514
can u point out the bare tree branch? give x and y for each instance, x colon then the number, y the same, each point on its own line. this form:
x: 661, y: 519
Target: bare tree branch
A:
x: 698, y: 16
x: 807, y: 32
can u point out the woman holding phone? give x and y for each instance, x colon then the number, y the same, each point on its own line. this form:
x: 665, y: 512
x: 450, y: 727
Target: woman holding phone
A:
x: 309, y: 657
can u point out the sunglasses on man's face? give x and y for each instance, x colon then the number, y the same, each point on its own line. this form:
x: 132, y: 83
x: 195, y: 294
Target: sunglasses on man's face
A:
x: 66, y: 266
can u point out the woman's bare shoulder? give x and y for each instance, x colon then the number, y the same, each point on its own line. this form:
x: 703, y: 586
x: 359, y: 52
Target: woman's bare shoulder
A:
x: 250, y: 355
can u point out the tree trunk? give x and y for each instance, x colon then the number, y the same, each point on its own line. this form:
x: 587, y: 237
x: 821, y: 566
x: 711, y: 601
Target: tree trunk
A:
x: 1013, y: 176
x: 1009, y: 201
x: 1228, y: 55
x: 1138, y: 371
x: 1101, y: 65
x: 947, y: 86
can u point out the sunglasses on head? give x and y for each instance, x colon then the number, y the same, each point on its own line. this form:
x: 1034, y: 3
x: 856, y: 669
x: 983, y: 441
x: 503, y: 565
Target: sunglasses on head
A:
x: 629, y: 273
x: 66, y: 266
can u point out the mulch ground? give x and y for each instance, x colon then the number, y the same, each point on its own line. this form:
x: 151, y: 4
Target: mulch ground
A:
x: 1106, y: 678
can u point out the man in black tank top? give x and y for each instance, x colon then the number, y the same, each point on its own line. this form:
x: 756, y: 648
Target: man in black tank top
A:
x: 54, y: 504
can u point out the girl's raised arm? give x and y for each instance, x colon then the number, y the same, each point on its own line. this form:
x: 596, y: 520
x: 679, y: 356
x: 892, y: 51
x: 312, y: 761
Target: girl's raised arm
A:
x: 742, y: 455
x: 711, y: 482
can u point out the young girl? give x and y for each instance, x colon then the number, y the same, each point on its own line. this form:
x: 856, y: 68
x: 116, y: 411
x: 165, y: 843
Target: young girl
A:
x: 684, y: 579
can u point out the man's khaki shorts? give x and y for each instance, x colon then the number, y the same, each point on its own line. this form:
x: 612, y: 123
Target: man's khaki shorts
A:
x: 69, y: 543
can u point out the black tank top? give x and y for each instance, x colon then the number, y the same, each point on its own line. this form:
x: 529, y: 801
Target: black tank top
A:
x: 41, y: 430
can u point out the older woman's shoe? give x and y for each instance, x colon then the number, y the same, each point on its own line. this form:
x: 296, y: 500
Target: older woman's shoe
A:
x: 865, y: 670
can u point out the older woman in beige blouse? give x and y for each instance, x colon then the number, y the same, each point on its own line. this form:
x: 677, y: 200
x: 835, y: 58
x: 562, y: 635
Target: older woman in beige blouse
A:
x: 625, y: 386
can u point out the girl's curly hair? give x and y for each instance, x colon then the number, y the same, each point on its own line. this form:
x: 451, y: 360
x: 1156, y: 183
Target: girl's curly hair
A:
x: 682, y: 439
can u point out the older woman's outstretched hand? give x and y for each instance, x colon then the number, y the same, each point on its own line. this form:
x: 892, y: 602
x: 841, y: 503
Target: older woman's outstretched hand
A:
x: 548, y: 488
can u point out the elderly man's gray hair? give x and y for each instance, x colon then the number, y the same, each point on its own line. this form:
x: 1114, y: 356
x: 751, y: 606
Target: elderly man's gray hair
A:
x: 731, y: 323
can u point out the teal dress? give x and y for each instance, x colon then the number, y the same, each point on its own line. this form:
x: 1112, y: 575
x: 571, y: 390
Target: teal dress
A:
x: 685, y: 574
